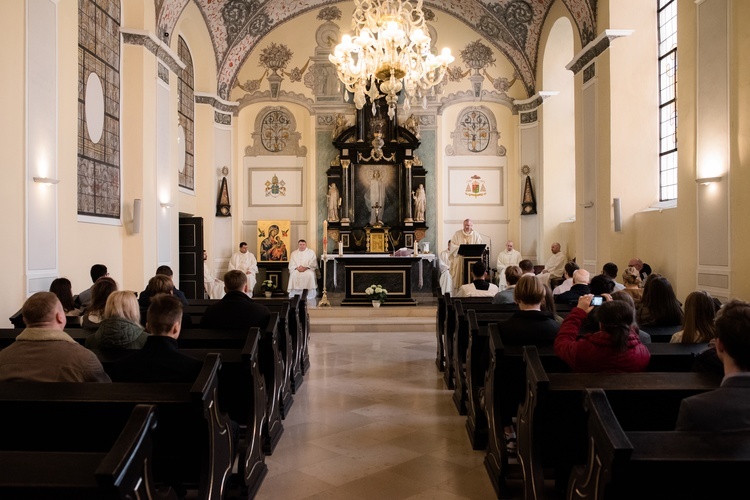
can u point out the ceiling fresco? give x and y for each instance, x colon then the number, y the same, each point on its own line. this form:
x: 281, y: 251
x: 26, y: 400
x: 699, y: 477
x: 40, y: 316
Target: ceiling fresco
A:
x: 513, y: 27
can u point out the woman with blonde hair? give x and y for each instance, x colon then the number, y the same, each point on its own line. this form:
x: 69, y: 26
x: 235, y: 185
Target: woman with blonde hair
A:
x: 631, y: 278
x: 120, y: 328
x: 698, y: 326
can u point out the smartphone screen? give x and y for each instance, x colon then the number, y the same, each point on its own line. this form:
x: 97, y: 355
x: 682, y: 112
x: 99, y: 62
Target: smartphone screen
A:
x: 597, y: 300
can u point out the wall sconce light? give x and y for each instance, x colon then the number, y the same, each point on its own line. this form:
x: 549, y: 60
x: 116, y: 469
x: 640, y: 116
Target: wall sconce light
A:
x: 166, y: 205
x: 45, y: 180
x: 708, y: 180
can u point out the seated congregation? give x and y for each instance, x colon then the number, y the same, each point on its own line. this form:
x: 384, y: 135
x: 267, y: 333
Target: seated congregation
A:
x: 228, y: 386
x: 520, y: 364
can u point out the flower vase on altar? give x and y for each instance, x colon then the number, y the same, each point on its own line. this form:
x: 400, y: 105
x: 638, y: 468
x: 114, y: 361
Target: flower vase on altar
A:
x: 376, y: 303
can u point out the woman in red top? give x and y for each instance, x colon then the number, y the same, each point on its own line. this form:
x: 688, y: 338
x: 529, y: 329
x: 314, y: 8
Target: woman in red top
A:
x: 615, y: 348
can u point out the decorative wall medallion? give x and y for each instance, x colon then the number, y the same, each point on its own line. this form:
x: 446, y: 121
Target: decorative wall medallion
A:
x: 475, y: 131
x: 275, y: 131
x: 475, y: 187
x: 275, y: 188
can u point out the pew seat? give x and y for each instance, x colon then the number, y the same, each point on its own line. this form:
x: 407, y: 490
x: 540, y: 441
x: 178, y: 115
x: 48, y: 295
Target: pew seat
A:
x: 657, y: 464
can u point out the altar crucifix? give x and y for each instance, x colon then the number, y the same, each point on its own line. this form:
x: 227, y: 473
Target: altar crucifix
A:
x: 378, y: 223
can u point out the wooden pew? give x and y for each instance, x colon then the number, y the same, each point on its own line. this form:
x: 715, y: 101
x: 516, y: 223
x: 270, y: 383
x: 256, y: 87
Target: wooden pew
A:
x: 496, y: 313
x: 661, y: 333
x: 304, y: 329
x: 552, y: 425
x: 242, y: 395
x: 659, y: 464
x: 505, y: 383
x: 124, y: 471
x: 192, y: 444
x: 289, y: 340
x: 17, y: 321
x: 440, y: 317
x: 270, y: 363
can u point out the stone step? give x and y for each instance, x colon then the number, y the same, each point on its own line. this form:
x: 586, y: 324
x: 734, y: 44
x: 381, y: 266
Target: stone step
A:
x: 371, y: 319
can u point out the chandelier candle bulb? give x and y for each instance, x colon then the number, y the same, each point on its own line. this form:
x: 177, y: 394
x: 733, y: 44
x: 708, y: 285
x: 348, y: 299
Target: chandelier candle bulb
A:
x: 391, y: 46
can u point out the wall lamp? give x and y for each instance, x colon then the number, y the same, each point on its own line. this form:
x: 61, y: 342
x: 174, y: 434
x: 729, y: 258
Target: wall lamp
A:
x: 166, y: 205
x: 45, y: 180
x: 708, y: 180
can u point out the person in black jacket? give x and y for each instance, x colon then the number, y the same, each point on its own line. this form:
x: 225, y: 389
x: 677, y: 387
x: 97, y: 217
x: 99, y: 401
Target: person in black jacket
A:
x: 159, y: 359
x: 236, y: 311
x: 580, y: 288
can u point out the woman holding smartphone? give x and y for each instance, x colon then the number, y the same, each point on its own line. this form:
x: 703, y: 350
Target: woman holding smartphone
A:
x: 615, y: 348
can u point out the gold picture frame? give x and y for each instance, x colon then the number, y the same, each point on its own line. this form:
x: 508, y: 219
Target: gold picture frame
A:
x: 274, y: 241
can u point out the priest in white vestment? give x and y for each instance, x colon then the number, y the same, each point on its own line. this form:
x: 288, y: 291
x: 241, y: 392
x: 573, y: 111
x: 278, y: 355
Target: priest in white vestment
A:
x: 246, y: 262
x: 213, y: 285
x: 302, y: 266
x: 444, y: 268
x: 554, y: 267
x: 465, y: 236
x: 508, y: 257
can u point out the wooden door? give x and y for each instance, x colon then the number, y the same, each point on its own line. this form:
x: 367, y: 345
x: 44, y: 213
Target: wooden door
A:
x: 191, y: 257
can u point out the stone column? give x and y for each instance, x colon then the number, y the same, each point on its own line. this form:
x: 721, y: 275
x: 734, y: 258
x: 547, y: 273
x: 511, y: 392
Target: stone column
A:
x: 345, y: 188
x: 408, y: 220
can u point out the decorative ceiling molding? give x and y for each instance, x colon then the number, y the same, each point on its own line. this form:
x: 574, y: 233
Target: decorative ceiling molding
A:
x: 594, y: 48
x: 487, y: 96
x: 151, y: 42
x: 513, y: 27
x: 216, y: 102
x: 284, y: 96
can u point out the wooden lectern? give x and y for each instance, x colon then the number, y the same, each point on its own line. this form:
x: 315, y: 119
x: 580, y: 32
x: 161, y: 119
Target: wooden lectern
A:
x: 469, y: 254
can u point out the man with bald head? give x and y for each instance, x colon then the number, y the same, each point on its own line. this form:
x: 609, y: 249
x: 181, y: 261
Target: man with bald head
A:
x: 43, y: 352
x: 555, y: 265
x: 580, y: 288
x: 464, y: 236
x: 509, y: 256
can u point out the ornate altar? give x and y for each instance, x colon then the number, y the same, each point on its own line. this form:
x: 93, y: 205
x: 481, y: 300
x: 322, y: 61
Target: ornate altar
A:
x: 377, y: 176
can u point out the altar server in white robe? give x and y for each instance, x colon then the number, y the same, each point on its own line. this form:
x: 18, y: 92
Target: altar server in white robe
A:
x: 554, y: 267
x: 508, y: 257
x: 214, y: 286
x: 302, y: 266
x: 444, y: 267
x: 246, y: 262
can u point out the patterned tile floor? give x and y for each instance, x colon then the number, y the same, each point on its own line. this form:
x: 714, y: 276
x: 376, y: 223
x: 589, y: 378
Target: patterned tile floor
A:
x: 374, y: 420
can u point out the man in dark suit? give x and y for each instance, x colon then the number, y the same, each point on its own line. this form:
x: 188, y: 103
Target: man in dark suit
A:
x: 728, y: 407
x: 159, y: 360
x: 236, y: 311
x: 579, y: 289
x: 144, y: 297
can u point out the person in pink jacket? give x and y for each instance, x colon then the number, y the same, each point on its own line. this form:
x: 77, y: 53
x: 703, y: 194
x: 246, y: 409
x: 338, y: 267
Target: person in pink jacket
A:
x: 615, y: 348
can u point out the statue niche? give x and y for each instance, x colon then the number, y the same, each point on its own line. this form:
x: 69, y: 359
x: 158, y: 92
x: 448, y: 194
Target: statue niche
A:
x: 379, y: 179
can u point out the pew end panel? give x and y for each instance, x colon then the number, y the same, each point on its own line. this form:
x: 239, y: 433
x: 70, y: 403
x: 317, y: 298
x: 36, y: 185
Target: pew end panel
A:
x: 657, y: 464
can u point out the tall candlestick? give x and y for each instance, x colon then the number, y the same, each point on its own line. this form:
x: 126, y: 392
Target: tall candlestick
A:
x: 325, y: 237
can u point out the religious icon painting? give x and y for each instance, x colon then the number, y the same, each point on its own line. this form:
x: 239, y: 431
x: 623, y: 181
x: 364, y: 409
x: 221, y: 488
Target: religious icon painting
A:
x: 274, y: 241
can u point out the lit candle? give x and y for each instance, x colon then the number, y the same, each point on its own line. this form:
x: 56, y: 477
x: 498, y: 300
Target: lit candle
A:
x: 325, y: 238
x: 341, y: 248
x: 415, y: 247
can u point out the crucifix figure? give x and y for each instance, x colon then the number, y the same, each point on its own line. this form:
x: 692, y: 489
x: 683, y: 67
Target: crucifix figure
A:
x: 376, y: 209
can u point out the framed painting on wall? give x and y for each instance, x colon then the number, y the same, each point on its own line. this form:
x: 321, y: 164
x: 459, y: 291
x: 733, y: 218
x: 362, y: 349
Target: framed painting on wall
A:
x: 273, y: 240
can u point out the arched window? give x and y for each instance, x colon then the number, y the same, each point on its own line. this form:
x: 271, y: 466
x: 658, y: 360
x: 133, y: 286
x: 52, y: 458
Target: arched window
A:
x: 186, y: 111
x: 667, y: 23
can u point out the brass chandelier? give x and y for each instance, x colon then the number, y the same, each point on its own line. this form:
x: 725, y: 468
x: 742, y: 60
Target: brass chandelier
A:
x: 390, y: 46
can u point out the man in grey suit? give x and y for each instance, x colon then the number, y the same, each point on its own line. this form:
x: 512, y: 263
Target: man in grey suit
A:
x: 728, y: 407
